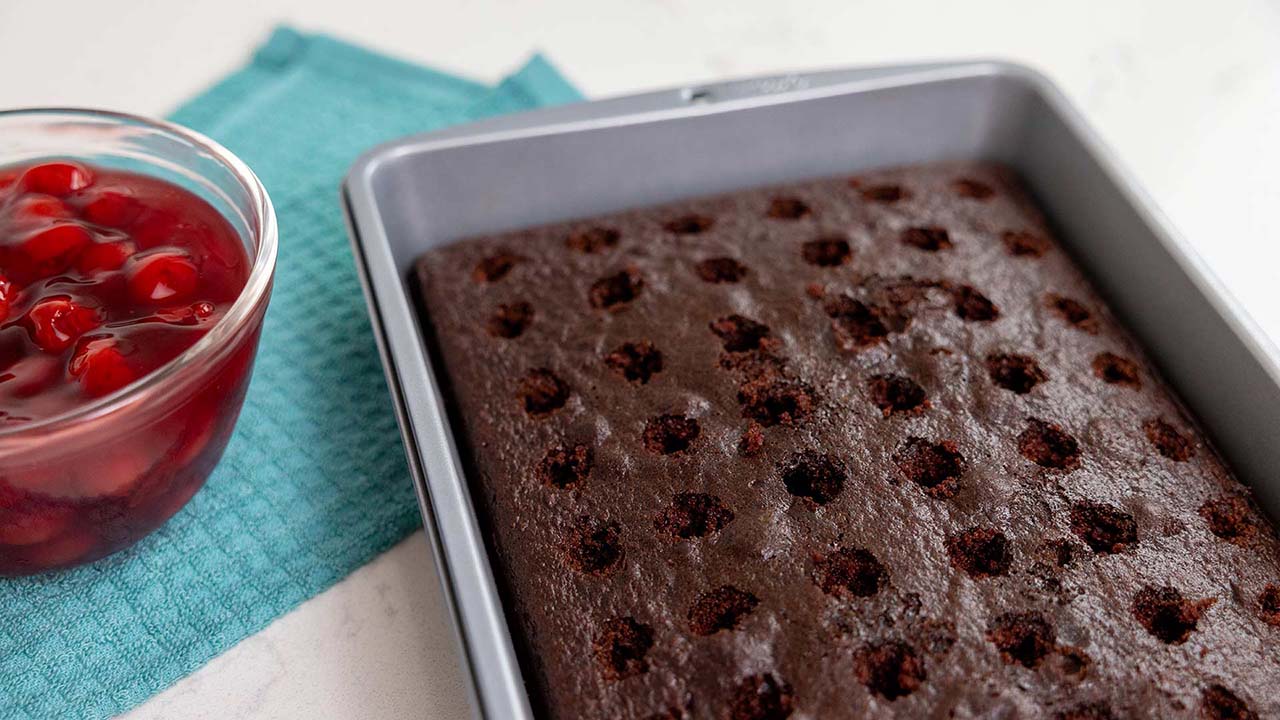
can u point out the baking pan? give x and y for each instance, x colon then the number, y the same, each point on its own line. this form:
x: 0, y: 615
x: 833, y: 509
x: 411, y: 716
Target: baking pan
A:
x: 591, y: 158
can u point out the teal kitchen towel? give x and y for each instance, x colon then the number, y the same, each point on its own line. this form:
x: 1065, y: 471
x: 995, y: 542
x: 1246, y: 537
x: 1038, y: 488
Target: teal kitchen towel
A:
x: 314, y: 483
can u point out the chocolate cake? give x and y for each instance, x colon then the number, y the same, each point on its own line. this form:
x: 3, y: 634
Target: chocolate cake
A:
x: 855, y: 447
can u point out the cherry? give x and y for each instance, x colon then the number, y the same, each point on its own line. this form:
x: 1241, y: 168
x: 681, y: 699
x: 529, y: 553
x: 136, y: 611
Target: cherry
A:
x: 34, y: 374
x: 113, y: 473
x: 163, y: 277
x: 53, y: 250
x: 8, y: 293
x: 180, y: 493
x: 10, y: 497
x: 61, y: 551
x: 31, y: 526
x: 57, y: 321
x: 100, y: 366
x: 105, y: 256
x: 112, y: 208
x: 202, y: 427
x: 57, y: 178
x: 38, y: 207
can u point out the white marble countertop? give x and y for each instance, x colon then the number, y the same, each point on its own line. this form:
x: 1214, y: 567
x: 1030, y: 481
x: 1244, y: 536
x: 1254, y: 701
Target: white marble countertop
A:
x: 1187, y: 93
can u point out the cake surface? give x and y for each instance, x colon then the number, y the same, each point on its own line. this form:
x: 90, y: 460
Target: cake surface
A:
x: 855, y: 447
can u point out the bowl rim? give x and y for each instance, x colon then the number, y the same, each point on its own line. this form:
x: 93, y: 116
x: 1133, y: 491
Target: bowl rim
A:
x: 256, y: 289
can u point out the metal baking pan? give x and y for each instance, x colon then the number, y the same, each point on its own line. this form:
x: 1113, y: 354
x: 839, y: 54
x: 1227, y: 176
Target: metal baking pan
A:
x: 590, y: 158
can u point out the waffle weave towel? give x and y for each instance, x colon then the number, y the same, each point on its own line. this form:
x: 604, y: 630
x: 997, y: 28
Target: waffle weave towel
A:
x: 313, y: 484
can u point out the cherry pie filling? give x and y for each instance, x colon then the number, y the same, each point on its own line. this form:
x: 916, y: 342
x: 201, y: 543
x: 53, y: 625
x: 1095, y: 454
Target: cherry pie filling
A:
x: 105, y: 276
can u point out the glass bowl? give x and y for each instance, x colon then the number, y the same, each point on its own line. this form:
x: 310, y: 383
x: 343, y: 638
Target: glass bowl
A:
x: 95, y: 479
